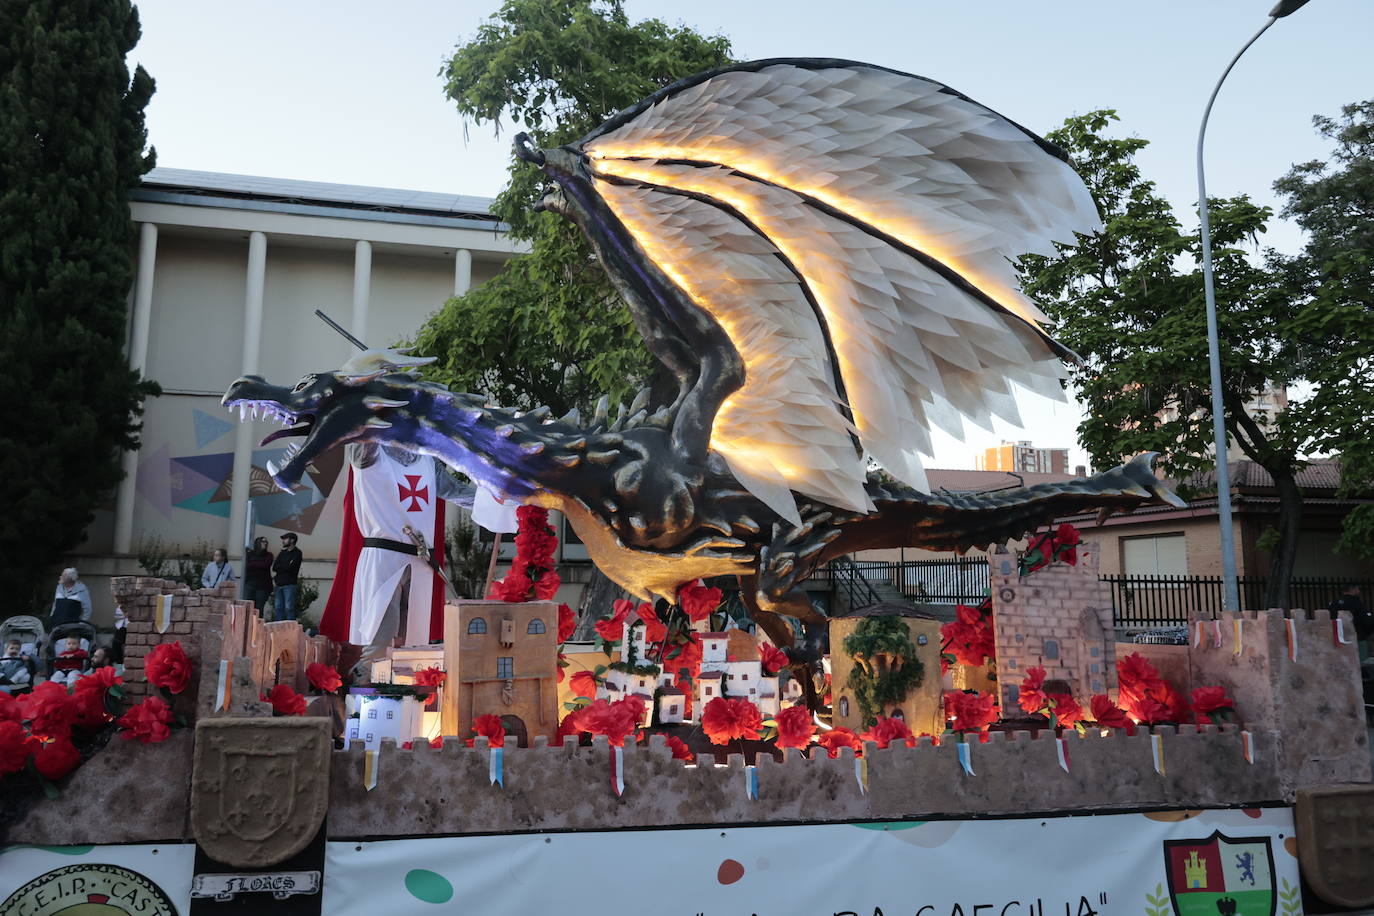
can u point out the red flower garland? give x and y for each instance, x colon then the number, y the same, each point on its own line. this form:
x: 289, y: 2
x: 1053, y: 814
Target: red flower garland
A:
x: 1052, y: 546
x: 567, y: 623
x: 490, y: 727
x: 795, y: 726
x: 322, y: 677
x: 55, y: 759
x: 285, y: 701
x: 969, y: 637
x: 583, y: 684
x: 148, y: 722
x: 531, y: 576
x: 1108, y: 715
x: 698, y: 601
x: 885, y: 731
x: 773, y: 658
x: 680, y: 749
x: 970, y: 711
x: 837, y: 738
x: 15, y: 747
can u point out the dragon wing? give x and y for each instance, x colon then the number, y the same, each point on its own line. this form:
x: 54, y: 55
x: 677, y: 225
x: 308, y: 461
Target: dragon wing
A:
x: 850, y: 229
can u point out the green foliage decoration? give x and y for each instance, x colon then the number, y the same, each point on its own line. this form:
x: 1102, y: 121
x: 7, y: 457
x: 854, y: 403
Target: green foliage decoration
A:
x: 72, y: 142
x: 886, y: 667
x: 549, y: 329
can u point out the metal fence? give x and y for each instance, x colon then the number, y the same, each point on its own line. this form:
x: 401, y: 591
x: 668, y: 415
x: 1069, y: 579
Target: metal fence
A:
x: 1154, y: 601
x: 953, y: 581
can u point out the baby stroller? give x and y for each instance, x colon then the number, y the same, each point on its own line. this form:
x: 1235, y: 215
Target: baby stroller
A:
x: 53, y: 644
x: 30, y: 633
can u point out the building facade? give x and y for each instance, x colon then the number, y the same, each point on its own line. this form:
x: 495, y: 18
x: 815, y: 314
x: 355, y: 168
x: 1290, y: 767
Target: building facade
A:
x: 1023, y: 457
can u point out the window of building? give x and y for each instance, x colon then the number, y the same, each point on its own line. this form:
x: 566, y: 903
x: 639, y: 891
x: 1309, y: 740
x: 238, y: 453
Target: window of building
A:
x: 730, y: 676
x: 844, y: 706
x: 708, y: 691
x: 536, y: 627
x: 391, y: 713
x: 476, y: 626
x: 744, y: 677
x: 1163, y: 555
x: 372, y: 713
x: 672, y: 710
x: 369, y: 736
x: 505, y: 667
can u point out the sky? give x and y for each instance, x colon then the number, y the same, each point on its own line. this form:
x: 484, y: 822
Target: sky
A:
x: 346, y: 91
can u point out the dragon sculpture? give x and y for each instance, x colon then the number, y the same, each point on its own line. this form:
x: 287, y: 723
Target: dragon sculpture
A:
x: 819, y: 252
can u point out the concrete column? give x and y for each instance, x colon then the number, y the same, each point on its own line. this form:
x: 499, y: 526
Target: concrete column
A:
x: 362, y: 292
x: 462, y: 271
x: 244, y: 439
x: 138, y: 361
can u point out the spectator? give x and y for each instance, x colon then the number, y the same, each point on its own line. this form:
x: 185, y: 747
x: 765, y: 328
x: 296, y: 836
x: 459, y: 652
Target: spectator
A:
x: 16, y: 668
x: 72, y: 602
x: 287, y: 570
x: 71, y: 664
x: 100, y: 658
x: 1364, y: 620
x: 121, y: 631
x: 217, y: 571
x: 257, y: 574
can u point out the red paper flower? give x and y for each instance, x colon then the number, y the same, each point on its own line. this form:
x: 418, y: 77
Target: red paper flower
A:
x: 1136, y: 676
x: 323, y: 677
x: 1108, y: 715
x: 1032, y: 695
x: 886, y: 730
x: 698, y: 601
x: 50, y: 710
x: 969, y: 637
x: 970, y: 712
x: 90, y: 707
x: 773, y: 658
x: 1065, y: 710
x: 610, y: 630
x: 567, y: 728
x: 584, y: 684
x: 683, y: 657
x: 617, y: 721
x: 1207, y: 700
x: 837, y: 738
x: 724, y: 719
x: 430, y: 677
x: 531, y: 572
x: 567, y: 623
x: 147, y: 722
x: 680, y: 749
x: 491, y: 728
x: 547, y: 586
x: 620, y: 610
x: 167, y: 666
x: 9, y: 708
x: 15, y: 746
x: 55, y: 759
x: 795, y: 726
x: 285, y: 701
x: 101, y: 679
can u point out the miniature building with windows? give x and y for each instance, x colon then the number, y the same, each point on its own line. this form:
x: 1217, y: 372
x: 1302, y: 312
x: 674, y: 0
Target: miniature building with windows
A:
x: 1058, y: 617
x: 886, y: 636
x: 672, y: 702
x: 501, y: 659
x: 399, y: 718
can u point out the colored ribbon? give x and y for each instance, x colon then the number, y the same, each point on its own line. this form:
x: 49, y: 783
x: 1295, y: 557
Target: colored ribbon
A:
x: 1290, y: 627
x: 751, y: 783
x: 1338, y: 631
x: 162, y: 613
x: 1197, y: 634
x: 222, y: 689
x: 1062, y: 748
x: 1216, y: 634
x: 861, y: 774
x: 371, y: 760
x: 1247, y: 746
x: 1239, y: 633
x: 1157, y: 750
x: 496, y: 766
x: 966, y: 757
x: 618, y: 770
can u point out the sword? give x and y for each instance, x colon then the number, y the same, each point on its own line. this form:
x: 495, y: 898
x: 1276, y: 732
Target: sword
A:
x: 427, y: 555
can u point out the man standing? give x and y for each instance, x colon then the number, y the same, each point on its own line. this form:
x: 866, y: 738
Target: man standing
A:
x: 286, y: 570
x: 1364, y: 620
x: 72, y: 600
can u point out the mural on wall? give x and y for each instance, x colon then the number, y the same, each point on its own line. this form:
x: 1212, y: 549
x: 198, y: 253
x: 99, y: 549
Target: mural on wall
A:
x: 204, y: 482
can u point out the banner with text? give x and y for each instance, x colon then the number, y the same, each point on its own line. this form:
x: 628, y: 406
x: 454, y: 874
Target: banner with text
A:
x: 1209, y: 863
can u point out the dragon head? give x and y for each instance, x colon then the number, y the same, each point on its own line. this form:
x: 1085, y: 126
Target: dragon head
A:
x: 355, y: 403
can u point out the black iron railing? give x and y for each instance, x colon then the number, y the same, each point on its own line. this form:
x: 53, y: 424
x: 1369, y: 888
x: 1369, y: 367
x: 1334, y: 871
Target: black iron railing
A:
x: 952, y: 581
x: 1154, y: 601
x: 851, y: 583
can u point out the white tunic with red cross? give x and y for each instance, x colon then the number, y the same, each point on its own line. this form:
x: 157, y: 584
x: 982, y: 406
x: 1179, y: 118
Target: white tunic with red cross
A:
x: 388, y: 496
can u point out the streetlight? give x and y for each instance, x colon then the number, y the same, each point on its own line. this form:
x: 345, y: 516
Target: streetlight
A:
x: 1231, y: 588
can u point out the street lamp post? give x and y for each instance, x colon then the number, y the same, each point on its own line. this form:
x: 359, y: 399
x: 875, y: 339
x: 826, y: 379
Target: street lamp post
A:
x: 1231, y: 587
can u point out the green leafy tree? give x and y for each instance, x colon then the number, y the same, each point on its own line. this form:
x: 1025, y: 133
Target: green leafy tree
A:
x: 71, y: 147
x: 1334, y: 202
x: 1129, y: 300
x: 549, y: 329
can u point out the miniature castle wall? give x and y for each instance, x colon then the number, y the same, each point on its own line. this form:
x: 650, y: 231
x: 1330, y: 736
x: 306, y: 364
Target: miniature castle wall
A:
x: 1314, y: 702
x: 191, y: 609
x: 1059, y: 617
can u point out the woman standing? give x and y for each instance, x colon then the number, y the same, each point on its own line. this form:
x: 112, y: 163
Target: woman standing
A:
x: 257, y: 574
x: 217, y: 571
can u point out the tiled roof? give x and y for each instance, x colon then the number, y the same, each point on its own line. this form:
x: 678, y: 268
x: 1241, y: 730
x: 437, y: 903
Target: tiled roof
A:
x: 1245, y: 474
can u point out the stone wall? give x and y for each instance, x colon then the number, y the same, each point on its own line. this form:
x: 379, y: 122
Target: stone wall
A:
x: 191, y: 609
x: 448, y: 791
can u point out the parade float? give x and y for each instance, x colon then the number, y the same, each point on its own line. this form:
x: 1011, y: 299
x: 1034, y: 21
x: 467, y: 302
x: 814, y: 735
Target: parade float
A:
x: 818, y: 252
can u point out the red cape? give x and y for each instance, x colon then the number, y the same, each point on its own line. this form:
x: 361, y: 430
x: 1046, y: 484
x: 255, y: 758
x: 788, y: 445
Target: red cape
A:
x: 338, y: 610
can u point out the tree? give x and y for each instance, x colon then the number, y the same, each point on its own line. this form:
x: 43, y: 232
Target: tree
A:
x: 1129, y: 300
x: 1334, y: 202
x: 72, y: 142
x: 549, y: 329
